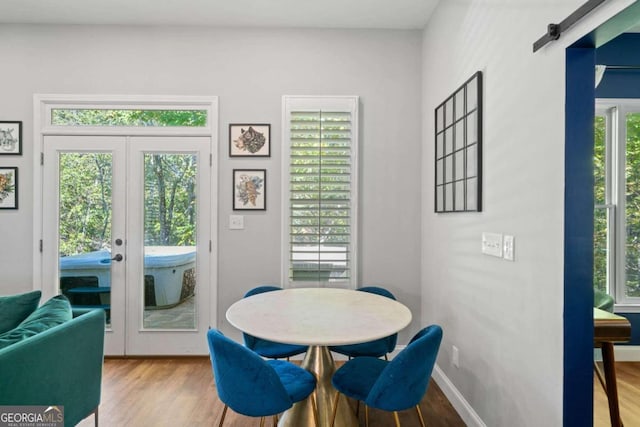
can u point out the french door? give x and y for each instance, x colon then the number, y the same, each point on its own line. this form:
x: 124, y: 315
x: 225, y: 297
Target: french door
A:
x: 127, y: 228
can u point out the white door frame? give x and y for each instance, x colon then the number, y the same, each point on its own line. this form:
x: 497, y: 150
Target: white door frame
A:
x: 43, y: 105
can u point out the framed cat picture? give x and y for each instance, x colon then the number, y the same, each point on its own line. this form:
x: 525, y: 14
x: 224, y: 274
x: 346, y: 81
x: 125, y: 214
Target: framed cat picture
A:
x: 249, y: 140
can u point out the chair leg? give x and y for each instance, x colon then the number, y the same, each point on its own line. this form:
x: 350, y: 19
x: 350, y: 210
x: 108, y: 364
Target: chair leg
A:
x: 314, y: 407
x: 366, y: 415
x: 386, y: 357
x: 357, y: 409
x: 275, y: 420
x: 95, y: 417
x: 420, y: 415
x: 224, y: 413
x: 395, y: 415
x: 261, y: 421
x: 335, y: 408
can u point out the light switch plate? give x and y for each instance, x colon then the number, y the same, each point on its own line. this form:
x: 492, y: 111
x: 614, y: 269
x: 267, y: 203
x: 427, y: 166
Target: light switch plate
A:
x: 509, y: 247
x: 236, y: 222
x: 492, y: 244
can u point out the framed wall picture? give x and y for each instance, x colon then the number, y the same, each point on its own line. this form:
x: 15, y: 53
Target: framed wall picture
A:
x: 458, y: 149
x: 8, y: 187
x: 249, y: 140
x: 249, y: 189
x: 10, y: 138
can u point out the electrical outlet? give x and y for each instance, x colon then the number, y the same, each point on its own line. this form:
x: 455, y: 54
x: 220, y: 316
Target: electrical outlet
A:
x: 236, y: 222
x: 455, y: 356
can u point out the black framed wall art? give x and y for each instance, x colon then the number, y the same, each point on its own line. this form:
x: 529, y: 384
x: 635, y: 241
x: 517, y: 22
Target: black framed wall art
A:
x: 249, y: 140
x: 10, y: 137
x: 458, y: 149
x: 249, y: 189
x: 8, y: 187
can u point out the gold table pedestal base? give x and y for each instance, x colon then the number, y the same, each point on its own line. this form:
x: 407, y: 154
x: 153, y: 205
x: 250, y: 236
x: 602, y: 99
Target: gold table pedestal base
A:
x: 319, y: 361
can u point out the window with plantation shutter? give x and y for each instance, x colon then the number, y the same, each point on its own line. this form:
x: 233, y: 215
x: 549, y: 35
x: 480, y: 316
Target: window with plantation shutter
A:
x: 320, y: 179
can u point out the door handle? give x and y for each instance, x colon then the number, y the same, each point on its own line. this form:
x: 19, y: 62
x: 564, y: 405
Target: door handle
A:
x: 118, y: 258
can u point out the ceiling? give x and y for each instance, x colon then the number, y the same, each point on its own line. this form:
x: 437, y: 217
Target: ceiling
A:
x: 378, y: 14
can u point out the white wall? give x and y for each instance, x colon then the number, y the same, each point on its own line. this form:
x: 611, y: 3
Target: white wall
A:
x: 505, y: 317
x: 249, y: 70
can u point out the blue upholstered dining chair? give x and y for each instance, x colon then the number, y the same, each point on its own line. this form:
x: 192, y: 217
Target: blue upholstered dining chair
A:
x: 266, y: 348
x: 253, y: 386
x: 391, y: 386
x: 377, y: 348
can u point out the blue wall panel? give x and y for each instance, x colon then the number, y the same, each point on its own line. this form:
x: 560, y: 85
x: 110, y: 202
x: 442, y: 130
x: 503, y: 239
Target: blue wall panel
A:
x: 578, y: 239
x: 623, y: 50
x: 619, y: 84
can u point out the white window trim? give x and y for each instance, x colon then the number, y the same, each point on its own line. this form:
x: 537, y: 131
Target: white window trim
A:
x: 339, y: 103
x: 615, y: 111
x: 44, y: 103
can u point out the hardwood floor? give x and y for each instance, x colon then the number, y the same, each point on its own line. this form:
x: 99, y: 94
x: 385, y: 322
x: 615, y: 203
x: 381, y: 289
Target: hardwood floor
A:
x: 181, y: 393
x: 628, y: 378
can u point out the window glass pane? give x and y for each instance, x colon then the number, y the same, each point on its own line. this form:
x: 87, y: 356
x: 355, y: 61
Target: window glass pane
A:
x: 440, y: 118
x: 448, y: 141
x: 459, y: 166
x: 632, y: 209
x: 135, y: 118
x: 439, y: 145
x: 599, y: 171
x: 460, y: 104
x: 600, y: 218
x: 600, y: 249
x: 472, y: 194
x: 472, y: 95
x: 448, y: 197
x: 472, y: 161
x: 440, y: 198
x: 448, y: 169
x: 459, y: 135
x: 459, y: 196
x: 472, y: 128
x: 448, y: 115
x: 440, y: 172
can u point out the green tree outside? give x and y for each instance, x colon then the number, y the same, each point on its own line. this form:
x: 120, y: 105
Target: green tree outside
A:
x: 632, y: 208
x: 85, y: 199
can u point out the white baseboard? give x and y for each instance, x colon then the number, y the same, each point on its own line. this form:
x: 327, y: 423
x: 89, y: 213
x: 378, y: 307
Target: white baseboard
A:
x: 459, y: 403
x: 622, y: 353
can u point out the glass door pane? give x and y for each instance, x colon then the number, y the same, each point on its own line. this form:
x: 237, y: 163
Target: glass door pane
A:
x: 170, y: 201
x: 84, y: 236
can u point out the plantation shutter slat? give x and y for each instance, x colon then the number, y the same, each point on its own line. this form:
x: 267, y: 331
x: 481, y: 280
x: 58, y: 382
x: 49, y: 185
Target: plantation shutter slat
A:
x: 320, y: 196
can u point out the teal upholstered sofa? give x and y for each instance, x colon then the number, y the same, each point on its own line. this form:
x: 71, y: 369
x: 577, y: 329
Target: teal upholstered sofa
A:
x: 59, y: 366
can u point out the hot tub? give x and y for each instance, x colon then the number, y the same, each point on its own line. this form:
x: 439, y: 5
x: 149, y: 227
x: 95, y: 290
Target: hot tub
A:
x: 167, y: 270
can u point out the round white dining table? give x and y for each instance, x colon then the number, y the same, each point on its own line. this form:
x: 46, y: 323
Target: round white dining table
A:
x: 319, y: 318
